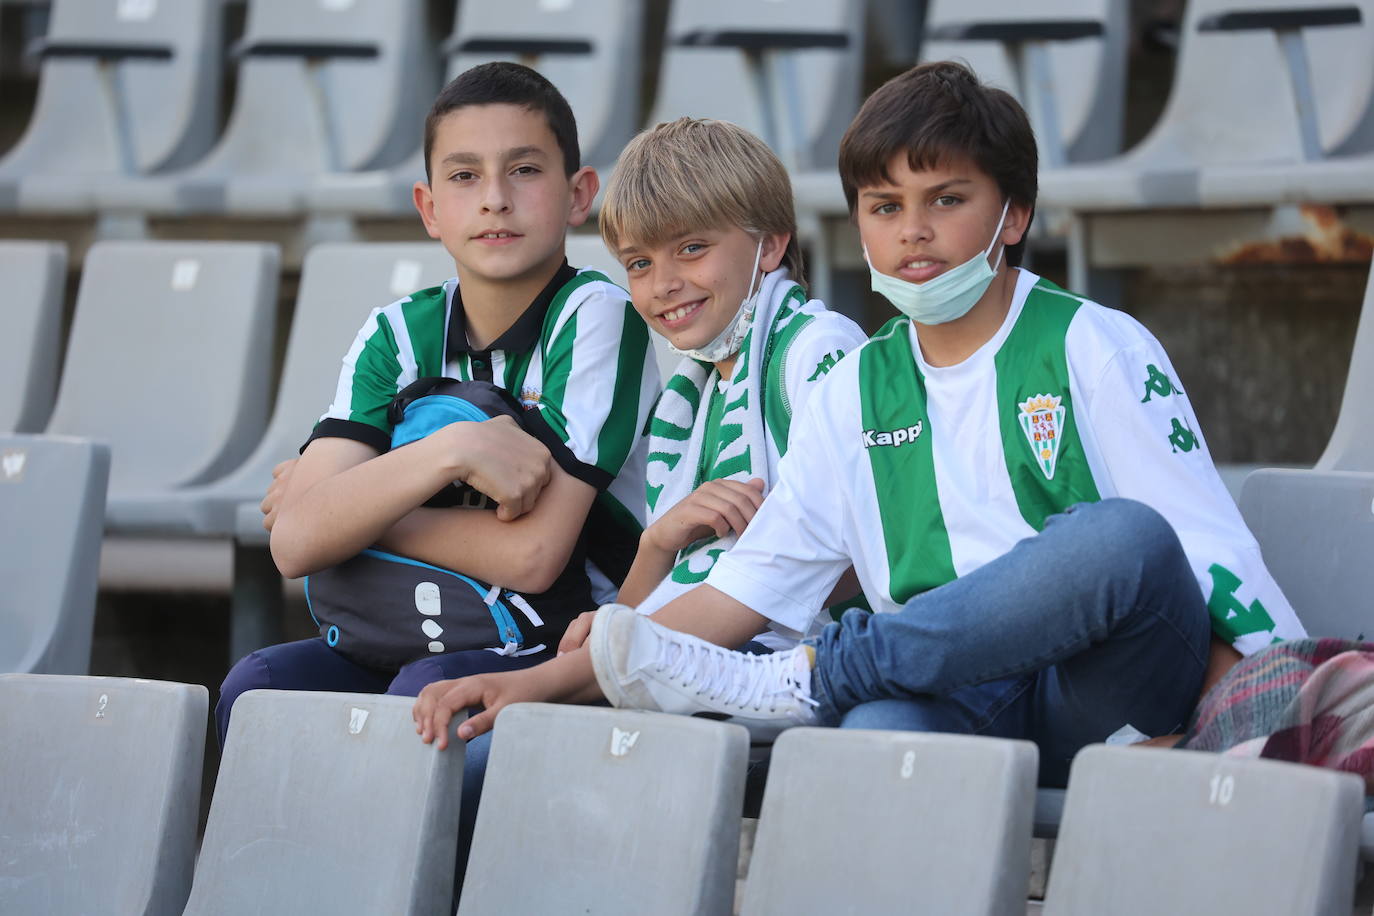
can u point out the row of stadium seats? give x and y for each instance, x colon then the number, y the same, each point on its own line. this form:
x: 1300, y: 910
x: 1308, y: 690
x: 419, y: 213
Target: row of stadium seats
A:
x: 184, y: 402
x: 327, y: 802
x: 1272, y: 103
x: 169, y: 362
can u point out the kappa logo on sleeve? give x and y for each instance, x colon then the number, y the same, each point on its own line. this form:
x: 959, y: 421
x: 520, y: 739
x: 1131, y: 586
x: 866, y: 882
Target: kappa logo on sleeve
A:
x: 1157, y: 383
x: 826, y: 364
x: 893, y: 437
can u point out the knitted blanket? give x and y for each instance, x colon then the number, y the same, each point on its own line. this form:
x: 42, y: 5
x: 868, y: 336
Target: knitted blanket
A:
x: 1305, y: 701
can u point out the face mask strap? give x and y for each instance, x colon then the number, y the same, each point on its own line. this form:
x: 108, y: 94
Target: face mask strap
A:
x: 998, y: 231
x: 754, y: 274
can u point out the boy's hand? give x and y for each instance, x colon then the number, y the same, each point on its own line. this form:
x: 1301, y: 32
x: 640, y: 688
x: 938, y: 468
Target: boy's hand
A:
x: 439, y: 702
x: 504, y: 462
x: 577, y: 632
x: 717, y: 506
x: 272, y: 501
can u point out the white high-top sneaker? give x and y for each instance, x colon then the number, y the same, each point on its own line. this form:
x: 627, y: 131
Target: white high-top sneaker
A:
x: 644, y: 665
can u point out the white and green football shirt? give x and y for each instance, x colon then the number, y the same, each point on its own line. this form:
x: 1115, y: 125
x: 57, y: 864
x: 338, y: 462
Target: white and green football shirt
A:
x: 919, y: 474
x: 578, y: 359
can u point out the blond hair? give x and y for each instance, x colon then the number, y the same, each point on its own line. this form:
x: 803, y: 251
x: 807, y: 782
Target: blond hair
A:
x: 697, y: 173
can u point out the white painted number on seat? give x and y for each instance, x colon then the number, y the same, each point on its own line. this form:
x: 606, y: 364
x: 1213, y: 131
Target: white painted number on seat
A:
x: 12, y: 465
x: 135, y: 10
x: 101, y: 704
x: 908, y: 764
x: 184, y: 274
x: 357, y: 718
x: 621, y: 742
x: 1223, y: 787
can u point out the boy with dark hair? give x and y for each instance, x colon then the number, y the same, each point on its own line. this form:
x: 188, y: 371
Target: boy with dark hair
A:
x: 1014, y: 472
x: 503, y: 185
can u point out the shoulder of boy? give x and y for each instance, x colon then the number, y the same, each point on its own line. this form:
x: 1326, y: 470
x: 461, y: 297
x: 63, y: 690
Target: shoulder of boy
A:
x: 820, y: 345
x: 590, y: 289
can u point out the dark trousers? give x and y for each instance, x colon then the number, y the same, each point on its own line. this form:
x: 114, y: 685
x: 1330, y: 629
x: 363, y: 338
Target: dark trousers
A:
x: 310, y: 664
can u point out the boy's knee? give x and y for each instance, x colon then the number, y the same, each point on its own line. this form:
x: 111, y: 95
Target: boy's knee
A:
x: 923, y: 714
x: 1130, y: 526
x: 414, y: 677
x: 249, y: 673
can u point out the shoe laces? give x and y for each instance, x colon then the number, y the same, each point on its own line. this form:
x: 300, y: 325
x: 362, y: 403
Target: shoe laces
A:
x: 762, y: 683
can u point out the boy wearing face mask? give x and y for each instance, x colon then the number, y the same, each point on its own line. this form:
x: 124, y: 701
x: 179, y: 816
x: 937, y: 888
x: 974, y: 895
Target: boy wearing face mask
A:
x: 1014, y: 472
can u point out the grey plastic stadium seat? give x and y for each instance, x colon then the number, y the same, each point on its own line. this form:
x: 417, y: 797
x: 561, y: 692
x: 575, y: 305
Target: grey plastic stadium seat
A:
x: 1334, y: 180
x: 1149, y: 831
x: 35, y: 279
x: 100, y: 796
x: 126, y: 87
x: 589, y: 49
x: 340, y: 284
x: 1064, y: 60
x: 607, y: 811
x: 1234, y: 102
x: 787, y: 70
x: 323, y: 86
x: 941, y: 823
x: 1316, y: 527
x: 52, y: 498
x: 329, y: 803
x: 167, y: 362
x: 1241, y: 97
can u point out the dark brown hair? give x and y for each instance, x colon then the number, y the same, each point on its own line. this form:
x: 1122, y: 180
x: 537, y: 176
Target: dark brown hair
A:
x: 938, y: 112
x: 503, y: 83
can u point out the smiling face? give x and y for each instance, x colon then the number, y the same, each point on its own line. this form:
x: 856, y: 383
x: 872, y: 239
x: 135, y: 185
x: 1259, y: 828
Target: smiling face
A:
x: 689, y: 288
x: 499, y: 199
x: 928, y: 221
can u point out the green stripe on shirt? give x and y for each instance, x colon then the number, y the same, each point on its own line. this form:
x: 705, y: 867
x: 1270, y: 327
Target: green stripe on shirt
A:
x: 1048, y: 473
x: 619, y: 432
x: 892, y: 394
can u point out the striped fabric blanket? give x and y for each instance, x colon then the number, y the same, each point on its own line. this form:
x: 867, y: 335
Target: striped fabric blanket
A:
x: 1306, y: 701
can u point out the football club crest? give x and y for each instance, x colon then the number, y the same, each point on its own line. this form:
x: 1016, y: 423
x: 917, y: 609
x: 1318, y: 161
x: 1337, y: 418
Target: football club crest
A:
x: 1042, y: 420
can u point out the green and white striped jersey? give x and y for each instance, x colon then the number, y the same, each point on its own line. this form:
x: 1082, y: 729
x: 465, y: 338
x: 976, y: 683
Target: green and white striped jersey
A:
x: 578, y: 357
x: 918, y: 474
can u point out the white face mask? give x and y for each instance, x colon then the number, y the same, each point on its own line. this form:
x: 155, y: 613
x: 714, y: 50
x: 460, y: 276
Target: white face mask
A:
x: 731, y: 337
x: 946, y: 297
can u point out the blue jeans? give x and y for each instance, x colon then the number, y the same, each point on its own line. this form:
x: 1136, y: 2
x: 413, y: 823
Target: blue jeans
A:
x: 310, y: 664
x: 1095, y: 623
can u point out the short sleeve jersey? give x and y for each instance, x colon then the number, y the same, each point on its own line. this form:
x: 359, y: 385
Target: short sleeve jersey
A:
x: 919, y: 474
x: 577, y: 358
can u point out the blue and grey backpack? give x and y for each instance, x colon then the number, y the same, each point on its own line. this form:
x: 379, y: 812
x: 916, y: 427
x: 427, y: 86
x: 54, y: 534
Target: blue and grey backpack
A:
x: 384, y: 611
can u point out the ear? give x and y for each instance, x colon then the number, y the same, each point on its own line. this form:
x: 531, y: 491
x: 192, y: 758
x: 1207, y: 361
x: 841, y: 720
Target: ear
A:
x: 1016, y: 223
x: 424, y: 203
x: 774, y: 247
x: 584, y: 184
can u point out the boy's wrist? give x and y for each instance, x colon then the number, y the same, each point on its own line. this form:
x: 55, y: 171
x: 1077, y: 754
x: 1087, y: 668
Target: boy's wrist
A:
x: 456, y: 449
x: 648, y: 541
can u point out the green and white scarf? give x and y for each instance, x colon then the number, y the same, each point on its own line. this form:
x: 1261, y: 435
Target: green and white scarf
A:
x: 745, y: 448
